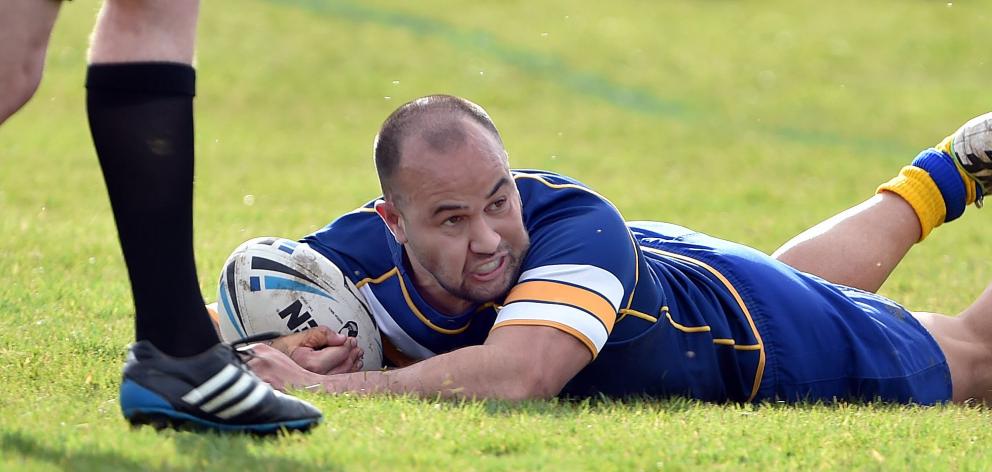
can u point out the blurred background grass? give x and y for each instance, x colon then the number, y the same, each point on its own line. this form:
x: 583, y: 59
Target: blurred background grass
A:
x: 747, y: 120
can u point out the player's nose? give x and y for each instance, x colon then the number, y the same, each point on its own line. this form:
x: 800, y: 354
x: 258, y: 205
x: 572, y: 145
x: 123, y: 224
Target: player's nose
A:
x: 485, y: 239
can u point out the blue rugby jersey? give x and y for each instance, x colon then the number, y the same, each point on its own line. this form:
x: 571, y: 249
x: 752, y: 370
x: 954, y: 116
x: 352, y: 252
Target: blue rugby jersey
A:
x: 656, y: 322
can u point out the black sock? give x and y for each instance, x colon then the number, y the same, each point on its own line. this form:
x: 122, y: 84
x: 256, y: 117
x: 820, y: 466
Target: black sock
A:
x: 141, y: 118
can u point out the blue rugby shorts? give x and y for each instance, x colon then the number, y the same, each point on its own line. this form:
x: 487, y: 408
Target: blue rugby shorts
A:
x: 823, y: 341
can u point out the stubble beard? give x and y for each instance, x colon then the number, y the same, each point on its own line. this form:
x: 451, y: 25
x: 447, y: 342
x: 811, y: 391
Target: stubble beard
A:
x: 484, y: 294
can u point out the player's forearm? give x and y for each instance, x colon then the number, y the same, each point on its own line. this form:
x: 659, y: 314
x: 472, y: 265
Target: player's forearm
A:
x: 471, y: 372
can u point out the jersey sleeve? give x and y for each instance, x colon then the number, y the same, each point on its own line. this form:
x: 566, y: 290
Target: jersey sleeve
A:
x: 579, y: 272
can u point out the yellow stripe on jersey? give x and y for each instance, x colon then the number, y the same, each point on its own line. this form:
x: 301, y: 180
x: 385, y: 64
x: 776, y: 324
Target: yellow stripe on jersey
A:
x: 378, y: 280
x: 553, y: 292
x: 552, y: 324
x: 488, y: 305
x: 409, y: 301
x: 760, y: 346
x: 637, y: 268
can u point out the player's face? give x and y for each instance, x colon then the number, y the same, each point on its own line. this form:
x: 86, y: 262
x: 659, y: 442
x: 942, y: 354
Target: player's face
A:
x: 460, y: 220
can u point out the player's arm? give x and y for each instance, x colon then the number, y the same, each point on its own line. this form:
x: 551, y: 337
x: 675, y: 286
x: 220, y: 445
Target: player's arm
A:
x: 515, y: 363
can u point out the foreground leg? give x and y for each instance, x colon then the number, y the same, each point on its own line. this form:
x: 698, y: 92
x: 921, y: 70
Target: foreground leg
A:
x: 25, y: 26
x: 861, y: 246
x: 140, y: 105
x: 966, y: 341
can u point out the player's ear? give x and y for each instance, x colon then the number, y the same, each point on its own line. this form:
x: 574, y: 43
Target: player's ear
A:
x: 391, y: 216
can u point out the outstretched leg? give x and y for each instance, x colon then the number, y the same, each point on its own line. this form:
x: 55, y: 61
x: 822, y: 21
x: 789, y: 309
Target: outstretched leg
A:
x: 966, y: 341
x: 862, y: 245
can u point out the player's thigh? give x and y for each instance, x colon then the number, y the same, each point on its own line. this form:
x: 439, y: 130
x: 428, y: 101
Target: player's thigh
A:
x: 25, y: 26
x: 968, y: 357
x: 145, y: 30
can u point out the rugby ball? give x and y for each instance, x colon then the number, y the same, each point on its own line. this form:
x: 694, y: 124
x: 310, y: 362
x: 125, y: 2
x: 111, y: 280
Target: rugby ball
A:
x: 275, y: 284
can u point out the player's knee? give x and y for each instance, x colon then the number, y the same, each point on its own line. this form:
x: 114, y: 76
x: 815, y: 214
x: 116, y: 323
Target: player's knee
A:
x: 150, y: 13
x: 19, y: 84
x: 969, y: 357
x: 981, y: 368
x: 145, y: 31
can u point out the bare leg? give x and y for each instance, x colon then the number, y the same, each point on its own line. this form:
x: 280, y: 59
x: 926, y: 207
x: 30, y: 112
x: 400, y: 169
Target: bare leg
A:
x: 139, y: 31
x: 25, y: 26
x: 967, y: 344
x: 858, y: 247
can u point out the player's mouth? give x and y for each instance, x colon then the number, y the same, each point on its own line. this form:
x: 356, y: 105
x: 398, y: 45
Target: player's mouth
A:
x: 490, y: 270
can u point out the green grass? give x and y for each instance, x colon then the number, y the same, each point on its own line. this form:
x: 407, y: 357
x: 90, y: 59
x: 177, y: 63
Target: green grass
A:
x: 747, y: 120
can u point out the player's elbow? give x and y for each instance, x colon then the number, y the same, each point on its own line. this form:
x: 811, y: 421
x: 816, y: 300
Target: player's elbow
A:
x: 535, y: 383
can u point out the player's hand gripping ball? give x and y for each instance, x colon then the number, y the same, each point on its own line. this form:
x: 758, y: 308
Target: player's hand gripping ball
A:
x: 274, y: 284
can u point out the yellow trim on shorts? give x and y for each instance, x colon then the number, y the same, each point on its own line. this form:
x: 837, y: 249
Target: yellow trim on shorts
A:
x: 689, y: 329
x: 760, y: 346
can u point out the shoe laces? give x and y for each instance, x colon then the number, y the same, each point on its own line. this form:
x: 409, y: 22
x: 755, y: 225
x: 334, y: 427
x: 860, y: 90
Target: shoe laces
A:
x: 242, y: 347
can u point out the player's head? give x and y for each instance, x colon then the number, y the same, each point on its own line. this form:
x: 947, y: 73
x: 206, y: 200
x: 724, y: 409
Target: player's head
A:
x: 436, y: 118
x: 450, y: 199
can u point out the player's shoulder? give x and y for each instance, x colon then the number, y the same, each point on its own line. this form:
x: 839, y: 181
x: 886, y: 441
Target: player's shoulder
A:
x: 357, y: 241
x: 543, y: 191
x: 358, y: 221
x: 550, y: 198
x: 571, y: 224
x: 538, y: 180
x: 581, y: 262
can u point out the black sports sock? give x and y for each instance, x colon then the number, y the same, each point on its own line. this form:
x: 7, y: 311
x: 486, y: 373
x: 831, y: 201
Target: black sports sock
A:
x: 141, y: 119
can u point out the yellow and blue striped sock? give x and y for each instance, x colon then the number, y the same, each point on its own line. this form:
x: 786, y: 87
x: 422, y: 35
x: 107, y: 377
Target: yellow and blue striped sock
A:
x: 936, y: 188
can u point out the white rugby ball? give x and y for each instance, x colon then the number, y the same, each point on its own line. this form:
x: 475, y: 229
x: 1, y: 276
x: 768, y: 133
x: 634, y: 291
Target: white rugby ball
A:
x: 275, y: 284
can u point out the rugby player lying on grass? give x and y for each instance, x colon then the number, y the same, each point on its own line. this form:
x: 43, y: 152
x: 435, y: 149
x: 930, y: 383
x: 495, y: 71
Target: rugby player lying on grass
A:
x: 520, y: 284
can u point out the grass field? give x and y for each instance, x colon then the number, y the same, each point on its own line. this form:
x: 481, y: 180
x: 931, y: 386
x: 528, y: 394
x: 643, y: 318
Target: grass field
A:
x: 746, y: 120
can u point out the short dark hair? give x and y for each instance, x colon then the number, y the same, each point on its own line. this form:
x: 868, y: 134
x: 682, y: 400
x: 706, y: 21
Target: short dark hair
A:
x: 436, y: 117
